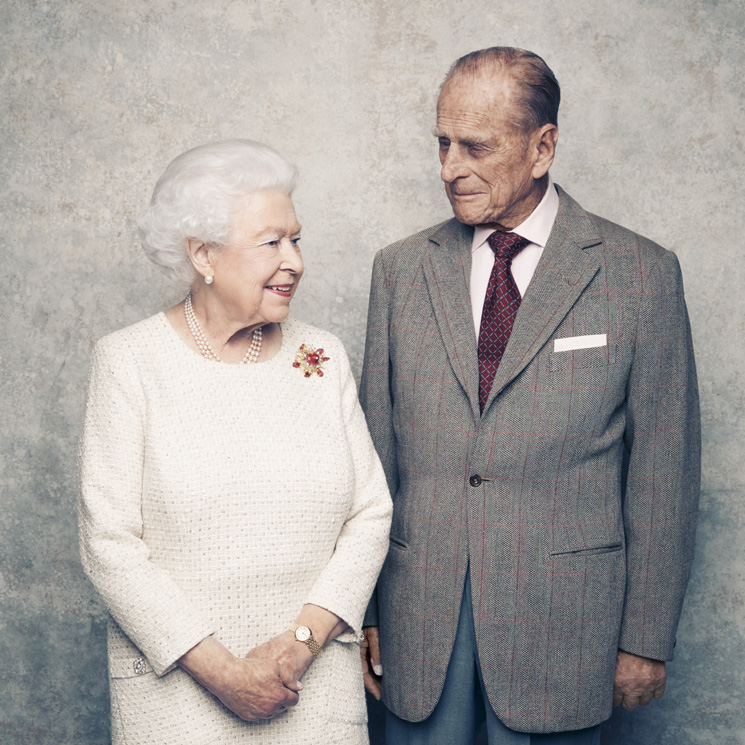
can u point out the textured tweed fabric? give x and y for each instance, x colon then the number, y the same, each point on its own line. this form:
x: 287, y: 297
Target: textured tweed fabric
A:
x: 572, y: 497
x: 218, y: 499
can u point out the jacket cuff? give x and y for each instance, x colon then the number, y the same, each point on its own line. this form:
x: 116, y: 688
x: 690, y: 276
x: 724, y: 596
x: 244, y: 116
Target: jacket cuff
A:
x: 371, y: 614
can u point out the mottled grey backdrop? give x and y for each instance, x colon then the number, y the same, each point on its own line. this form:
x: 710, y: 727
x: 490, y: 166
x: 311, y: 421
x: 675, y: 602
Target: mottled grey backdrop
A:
x: 98, y: 96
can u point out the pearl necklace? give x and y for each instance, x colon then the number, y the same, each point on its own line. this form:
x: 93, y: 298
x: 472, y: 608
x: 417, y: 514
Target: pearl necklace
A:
x: 252, y: 354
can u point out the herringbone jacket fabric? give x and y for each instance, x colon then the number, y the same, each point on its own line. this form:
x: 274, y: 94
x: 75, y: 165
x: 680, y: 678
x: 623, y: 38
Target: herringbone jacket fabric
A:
x: 573, y: 497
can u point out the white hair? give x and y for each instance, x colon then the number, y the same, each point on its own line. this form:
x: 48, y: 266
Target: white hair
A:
x: 196, y: 195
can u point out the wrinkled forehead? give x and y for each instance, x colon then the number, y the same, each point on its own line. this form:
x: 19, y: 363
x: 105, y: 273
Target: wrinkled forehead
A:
x: 477, y: 100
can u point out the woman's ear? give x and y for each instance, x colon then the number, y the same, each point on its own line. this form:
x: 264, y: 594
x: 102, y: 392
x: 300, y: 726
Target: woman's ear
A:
x: 199, y: 255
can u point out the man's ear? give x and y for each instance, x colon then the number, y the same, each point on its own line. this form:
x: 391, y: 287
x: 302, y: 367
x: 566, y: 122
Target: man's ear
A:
x: 543, y: 143
x: 199, y: 255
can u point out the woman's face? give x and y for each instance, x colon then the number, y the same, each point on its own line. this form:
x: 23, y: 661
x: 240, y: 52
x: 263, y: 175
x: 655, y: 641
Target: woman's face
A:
x: 257, y: 272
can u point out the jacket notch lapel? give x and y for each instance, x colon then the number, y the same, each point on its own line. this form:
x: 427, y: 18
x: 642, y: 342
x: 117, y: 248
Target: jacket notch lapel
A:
x: 563, y: 272
x: 447, y: 274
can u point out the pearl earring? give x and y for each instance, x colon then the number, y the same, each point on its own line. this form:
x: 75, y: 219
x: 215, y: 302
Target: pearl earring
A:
x: 208, y: 279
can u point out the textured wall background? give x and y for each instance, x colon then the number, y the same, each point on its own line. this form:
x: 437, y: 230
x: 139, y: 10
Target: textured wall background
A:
x: 98, y: 96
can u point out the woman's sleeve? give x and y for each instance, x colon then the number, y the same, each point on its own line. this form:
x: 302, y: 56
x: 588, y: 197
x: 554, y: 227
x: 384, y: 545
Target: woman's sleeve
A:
x: 345, y: 585
x: 149, y: 607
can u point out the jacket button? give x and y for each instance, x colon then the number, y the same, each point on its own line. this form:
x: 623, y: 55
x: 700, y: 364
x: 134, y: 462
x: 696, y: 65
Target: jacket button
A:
x: 475, y: 480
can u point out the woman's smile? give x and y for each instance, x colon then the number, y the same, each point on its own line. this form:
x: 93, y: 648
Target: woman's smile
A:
x: 282, y: 290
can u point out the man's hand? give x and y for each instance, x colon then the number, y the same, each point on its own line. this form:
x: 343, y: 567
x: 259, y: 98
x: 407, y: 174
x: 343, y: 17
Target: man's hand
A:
x: 372, y: 670
x: 293, y: 657
x: 638, y: 680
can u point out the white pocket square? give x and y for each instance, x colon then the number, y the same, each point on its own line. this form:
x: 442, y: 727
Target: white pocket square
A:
x: 580, y: 342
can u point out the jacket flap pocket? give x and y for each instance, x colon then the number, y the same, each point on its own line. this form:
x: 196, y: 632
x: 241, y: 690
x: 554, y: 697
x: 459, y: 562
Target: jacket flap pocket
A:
x: 130, y: 667
x: 607, y: 548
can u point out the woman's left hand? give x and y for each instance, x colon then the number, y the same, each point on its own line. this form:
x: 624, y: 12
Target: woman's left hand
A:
x: 292, y: 655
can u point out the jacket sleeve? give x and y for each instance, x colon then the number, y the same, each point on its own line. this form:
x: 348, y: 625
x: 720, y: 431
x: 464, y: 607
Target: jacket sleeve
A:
x: 663, y: 441
x: 375, y: 388
x: 148, y: 606
x: 345, y: 584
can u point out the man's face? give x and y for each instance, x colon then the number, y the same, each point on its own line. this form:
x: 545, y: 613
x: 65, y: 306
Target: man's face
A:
x: 487, y: 165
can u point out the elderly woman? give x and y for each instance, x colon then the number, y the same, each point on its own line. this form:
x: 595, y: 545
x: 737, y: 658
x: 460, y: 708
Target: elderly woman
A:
x: 234, y: 515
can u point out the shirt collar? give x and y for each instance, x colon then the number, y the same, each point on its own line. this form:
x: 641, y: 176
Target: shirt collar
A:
x: 536, y: 228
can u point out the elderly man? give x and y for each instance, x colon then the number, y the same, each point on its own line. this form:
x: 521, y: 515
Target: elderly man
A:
x: 530, y: 386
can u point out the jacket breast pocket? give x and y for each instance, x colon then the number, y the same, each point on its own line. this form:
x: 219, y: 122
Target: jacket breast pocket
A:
x: 579, y: 359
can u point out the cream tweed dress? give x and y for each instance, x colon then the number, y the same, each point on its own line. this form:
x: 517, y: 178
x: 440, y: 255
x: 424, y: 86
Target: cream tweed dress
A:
x: 218, y: 499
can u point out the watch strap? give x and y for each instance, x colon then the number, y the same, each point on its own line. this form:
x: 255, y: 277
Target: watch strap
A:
x: 310, y: 642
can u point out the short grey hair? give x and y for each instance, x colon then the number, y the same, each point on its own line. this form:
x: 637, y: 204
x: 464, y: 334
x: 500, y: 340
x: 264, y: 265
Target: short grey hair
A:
x: 538, y: 92
x: 197, y: 194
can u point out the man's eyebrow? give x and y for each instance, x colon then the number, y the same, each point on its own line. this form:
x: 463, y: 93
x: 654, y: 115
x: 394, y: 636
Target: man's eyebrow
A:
x: 465, y: 141
x: 473, y: 143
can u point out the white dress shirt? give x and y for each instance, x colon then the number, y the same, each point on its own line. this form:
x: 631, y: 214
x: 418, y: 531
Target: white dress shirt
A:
x: 536, y: 228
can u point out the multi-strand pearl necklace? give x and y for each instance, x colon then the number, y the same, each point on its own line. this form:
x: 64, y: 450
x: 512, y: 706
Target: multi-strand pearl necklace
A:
x: 252, y: 355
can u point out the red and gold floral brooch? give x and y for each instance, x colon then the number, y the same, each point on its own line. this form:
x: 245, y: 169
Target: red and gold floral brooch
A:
x: 310, y: 360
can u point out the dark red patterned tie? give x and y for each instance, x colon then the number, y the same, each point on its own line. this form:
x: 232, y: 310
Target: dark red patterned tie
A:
x: 500, y: 308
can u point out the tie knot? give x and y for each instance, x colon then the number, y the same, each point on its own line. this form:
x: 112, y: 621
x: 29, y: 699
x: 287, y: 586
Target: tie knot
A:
x: 506, y: 245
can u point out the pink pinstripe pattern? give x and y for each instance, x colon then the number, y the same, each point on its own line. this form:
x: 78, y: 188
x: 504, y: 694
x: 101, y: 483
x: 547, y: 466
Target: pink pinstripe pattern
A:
x: 565, y: 566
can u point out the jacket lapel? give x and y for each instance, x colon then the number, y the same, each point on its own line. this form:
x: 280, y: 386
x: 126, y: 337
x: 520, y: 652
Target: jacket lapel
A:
x: 565, y: 269
x: 447, y: 271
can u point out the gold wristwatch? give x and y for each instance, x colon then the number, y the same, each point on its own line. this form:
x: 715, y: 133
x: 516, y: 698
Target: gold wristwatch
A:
x: 305, y: 635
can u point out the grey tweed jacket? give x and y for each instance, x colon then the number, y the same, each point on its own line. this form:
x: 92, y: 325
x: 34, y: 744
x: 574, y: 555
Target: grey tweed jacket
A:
x: 573, y: 497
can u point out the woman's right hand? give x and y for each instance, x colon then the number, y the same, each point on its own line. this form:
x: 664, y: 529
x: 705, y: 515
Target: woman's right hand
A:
x: 256, y: 688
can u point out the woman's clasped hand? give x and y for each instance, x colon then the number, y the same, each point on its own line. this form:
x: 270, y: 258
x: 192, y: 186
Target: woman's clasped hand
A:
x: 253, y: 687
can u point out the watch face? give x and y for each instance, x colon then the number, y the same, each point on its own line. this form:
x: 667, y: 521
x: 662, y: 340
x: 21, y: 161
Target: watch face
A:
x: 302, y: 634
